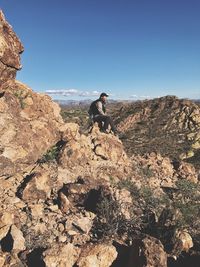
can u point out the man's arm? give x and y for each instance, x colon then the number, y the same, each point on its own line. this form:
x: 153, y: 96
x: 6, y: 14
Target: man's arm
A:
x: 100, y: 108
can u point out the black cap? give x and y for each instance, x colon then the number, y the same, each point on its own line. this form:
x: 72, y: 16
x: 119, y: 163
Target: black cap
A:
x: 103, y: 94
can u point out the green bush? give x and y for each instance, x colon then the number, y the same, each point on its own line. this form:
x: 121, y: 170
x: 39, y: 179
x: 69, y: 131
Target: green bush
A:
x: 52, y: 153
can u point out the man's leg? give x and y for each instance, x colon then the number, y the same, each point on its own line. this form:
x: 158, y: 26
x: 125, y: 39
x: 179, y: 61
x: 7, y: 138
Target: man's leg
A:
x: 99, y: 120
x: 107, y: 120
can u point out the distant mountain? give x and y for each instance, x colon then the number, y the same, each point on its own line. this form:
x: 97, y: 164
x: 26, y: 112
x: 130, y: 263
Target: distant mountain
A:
x: 86, y: 102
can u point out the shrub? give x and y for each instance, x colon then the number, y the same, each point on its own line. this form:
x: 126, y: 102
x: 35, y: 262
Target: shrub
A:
x: 53, y: 153
x: 110, y: 222
x: 187, y: 200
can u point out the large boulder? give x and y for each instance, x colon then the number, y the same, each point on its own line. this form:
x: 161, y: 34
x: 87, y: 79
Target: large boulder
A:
x: 29, y: 126
x: 97, y: 155
x: 10, y: 50
x: 100, y: 255
x: 61, y: 256
x: 148, y: 252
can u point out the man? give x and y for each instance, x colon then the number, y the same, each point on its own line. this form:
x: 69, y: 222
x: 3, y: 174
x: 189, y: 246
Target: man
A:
x: 97, y: 112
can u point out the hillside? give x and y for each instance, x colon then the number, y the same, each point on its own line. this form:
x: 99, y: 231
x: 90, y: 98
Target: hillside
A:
x: 75, y: 198
x: 167, y: 125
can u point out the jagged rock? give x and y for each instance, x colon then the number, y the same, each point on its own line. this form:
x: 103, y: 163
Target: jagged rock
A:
x: 18, y: 239
x: 77, y: 193
x: 188, y: 172
x: 159, y: 171
x: 108, y: 146
x: 2, y: 259
x: 70, y: 131
x: 96, y: 155
x: 101, y: 255
x: 6, y: 220
x: 37, y: 210
x: 64, y: 203
x: 8, y: 260
x: 154, y: 253
x: 80, y: 223
x: 29, y: 127
x: 65, y: 176
x: 42, y: 181
x: 183, y: 242
x: 10, y: 50
x: 61, y: 256
x: 150, y: 253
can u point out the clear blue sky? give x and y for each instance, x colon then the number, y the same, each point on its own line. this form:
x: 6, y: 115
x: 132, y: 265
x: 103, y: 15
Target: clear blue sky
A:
x: 128, y: 48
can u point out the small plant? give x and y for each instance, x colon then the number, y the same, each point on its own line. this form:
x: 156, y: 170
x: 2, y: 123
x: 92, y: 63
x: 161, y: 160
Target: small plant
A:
x: 21, y: 96
x: 110, y: 221
x: 52, y: 153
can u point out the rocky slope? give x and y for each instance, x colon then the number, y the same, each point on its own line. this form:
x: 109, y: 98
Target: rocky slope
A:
x: 167, y: 125
x: 72, y: 199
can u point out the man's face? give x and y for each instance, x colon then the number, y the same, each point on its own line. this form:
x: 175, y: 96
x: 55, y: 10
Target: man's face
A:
x: 104, y: 98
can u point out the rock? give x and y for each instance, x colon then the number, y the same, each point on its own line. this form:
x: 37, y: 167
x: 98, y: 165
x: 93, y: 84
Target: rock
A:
x: 98, y: 155
x: 79, y: 223
x: 77, y: 193
x: 37, y: 210
x: 18, y: 239
x: 196, y: 145
x: 62, y: 239
x: 27, y: 129
x: 183, y: 242
x: 46, y: 164
x: 187, y: 171
x: 61, y: 256
x: 2, y: 259
x: 6, y: 220
x: 10, y: 260
x: 65, y: 176
x: 10, y: 50
x: 101, y: 255
x: 108, y: 146
x: 40, y: 183
x: 185, y: 239
x: 155, y: 171
x: 84, y: 224
x: 150, y: 252
x: 64, y: 203
x: 70, y: 131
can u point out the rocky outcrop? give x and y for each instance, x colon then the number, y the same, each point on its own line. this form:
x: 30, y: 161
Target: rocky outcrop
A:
x: 97, y: 155
x: 68, y: 198
x: 10, y: 50
x: 29, y: 127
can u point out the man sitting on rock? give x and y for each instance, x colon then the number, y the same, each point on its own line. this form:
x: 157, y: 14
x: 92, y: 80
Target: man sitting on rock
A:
x: 98, y: 114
